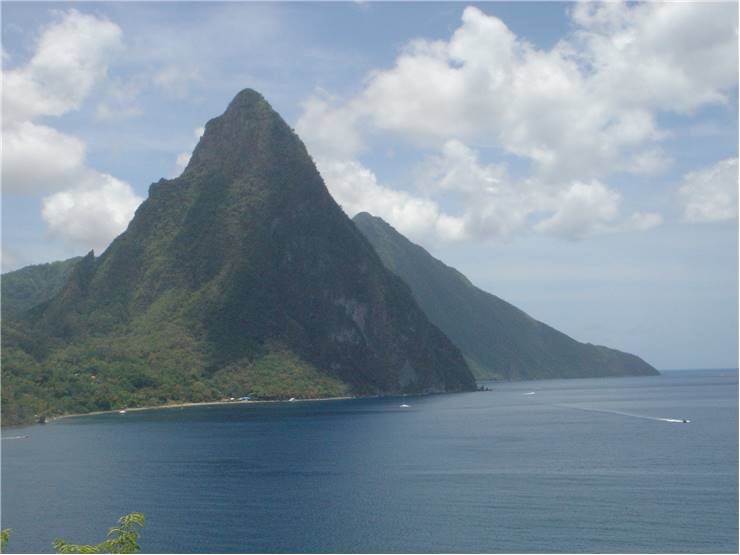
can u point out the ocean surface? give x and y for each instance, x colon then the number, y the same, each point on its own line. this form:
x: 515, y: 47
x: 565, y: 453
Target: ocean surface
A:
x: 590, y: 465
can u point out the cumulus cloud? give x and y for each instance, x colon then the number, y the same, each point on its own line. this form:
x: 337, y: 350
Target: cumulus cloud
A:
x: 357, y: 189
x: 83, y: 206
x: 330, y: 131
x: 38, y: 159
x: 582, y: 209
x: 578, y: 112
x: 498, y: 206
x: 666, y: 56
x: 71, y: 57
x: 92, y: 214
x: 494, y: 205
x: 581, y: 109
x: 711, y: 194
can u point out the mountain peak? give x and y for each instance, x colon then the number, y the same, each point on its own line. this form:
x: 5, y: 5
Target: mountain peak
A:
x: 369, y: 219
x: 245, y: 133
x: 247, y: 100
x: 366, y: 216
x: 243, y: 274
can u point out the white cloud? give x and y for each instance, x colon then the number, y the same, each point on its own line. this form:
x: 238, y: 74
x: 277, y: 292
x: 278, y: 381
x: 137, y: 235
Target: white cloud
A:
x: 579, y: 111
x: 90, y: 207
x: 92, y: 214
x: 494, y: 206
x: 356, y: 189
x: 329, y: 132
x: 582, y: 209
x: 667, y: 56
x: 70, y: 58
x: 497, y: 206
x: 37, y: 158
x: 711, y: 194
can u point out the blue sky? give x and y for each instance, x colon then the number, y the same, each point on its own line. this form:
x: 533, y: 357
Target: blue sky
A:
x: 578, y: 160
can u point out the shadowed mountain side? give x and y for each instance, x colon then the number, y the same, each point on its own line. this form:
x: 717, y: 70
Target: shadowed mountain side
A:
x: 497, y: 339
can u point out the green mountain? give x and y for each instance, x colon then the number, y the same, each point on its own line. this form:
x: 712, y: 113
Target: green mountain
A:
x: 31, y: 285
x: 497, y: 339
x: 240, y: 276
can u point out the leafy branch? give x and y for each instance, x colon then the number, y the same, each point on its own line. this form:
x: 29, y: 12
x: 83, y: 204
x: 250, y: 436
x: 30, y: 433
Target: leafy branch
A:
x: 4, y: 537
x: 121, y: 539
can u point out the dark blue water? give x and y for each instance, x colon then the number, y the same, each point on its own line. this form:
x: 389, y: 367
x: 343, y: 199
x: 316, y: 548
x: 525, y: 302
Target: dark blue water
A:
x: 496, y: 471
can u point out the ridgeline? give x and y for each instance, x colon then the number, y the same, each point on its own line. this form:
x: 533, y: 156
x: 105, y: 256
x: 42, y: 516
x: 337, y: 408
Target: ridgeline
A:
x: 498, y: 340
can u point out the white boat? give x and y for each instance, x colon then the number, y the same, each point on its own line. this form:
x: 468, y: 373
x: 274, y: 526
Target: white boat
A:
x: 122, y: 411
x: 404, y: 406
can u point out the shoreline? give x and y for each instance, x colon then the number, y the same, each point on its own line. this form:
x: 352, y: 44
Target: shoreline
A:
x: 194, y: 404
x: 51, y: 419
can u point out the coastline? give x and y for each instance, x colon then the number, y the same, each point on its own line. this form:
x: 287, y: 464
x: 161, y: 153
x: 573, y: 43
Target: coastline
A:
x: 196, y: 404
x: 164, y: 406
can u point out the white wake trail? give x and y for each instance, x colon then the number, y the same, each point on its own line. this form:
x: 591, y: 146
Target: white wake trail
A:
x: 630, y: 414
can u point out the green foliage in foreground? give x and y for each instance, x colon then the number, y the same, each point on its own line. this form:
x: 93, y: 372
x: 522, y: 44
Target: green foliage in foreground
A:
x: 121, y: 539
x: 4, y: 537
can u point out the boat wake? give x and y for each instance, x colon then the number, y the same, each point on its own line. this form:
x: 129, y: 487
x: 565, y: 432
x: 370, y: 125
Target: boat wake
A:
x: 16, y: 437
x: 630, y: 414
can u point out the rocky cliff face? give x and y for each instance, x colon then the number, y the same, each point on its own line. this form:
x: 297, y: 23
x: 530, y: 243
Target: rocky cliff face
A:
x: 497, y: 339
x: 243, y: 258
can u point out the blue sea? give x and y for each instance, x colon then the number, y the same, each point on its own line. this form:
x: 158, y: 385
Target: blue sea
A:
x: 589, y: 465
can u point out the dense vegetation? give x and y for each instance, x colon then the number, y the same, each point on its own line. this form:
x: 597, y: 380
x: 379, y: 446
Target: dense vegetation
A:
x: 241, y: 276
x: 498, y: 340
x: 31, y: 285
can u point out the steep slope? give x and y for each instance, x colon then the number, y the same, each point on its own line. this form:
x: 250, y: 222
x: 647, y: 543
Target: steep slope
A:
x: 497, y: 339
x: 242, y: 274
x: 24, y: 288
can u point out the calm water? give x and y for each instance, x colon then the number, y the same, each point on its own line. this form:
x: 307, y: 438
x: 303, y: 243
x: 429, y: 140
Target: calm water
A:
x: 580, y: 465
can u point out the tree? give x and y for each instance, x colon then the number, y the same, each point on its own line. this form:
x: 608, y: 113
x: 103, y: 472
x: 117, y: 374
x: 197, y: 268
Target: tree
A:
x: 121, y: 539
